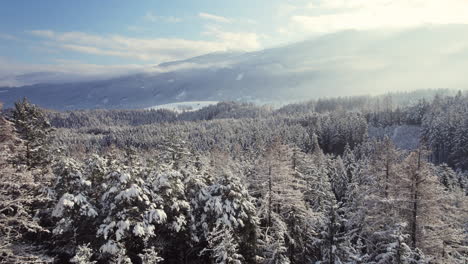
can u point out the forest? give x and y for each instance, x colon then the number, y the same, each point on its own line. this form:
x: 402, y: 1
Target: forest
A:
x: 365, y: 179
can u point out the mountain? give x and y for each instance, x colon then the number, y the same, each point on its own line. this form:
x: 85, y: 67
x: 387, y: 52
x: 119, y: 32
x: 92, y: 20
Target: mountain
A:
x: 338, y: 64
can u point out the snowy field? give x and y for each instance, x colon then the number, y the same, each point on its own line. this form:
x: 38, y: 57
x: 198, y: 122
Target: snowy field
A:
x: 184, y: 106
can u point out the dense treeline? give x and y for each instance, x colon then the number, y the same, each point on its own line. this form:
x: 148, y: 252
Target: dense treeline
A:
x: 396, y: 105
x: 445, y: 129
x: 334, y: 131
x: 236, y: 183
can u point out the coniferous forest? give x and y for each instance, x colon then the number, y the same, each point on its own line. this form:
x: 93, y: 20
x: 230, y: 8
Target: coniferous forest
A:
x: 380, y: 179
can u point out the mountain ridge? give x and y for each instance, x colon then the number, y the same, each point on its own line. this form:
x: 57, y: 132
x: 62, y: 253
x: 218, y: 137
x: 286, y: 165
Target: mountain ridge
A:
x: 370, y: 62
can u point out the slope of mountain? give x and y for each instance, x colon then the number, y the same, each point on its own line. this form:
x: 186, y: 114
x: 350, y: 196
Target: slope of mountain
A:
x: 339, y: 64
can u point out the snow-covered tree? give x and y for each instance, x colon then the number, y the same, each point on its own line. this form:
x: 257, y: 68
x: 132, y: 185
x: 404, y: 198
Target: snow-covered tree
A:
x: 447, y: 177
x: 131, y: 213
x: 334, y: 246
x: 426, y: 208
x: 222, y: 247
x: 284, y: 213
x: 338, y: 177
x: 349, y: 162
x: 21, y: 198
x: 83, y: 255
x: 373, y: 211
x: 33, y: 127
x: 272, y: 243
x: 228, y: 207
x: 150, y: 256
x: 169, y: 185
x: 460, y: 150
x: 390, y: 246
x: 74, y: 210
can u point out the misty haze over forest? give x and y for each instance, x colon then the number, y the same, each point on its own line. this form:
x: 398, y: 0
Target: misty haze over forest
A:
x: 256, y: 132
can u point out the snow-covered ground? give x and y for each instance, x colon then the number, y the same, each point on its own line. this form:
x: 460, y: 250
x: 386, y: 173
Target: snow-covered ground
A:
x: 184, y: 106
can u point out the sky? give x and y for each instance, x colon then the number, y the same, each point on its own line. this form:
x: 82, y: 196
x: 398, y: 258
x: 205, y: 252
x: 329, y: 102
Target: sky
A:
x: 117, y: 36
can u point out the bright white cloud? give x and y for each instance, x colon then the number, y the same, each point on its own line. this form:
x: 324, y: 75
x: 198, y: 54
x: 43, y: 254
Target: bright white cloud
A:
x: 334, y: 15
x: 152, y: 50
x: 215, y: 18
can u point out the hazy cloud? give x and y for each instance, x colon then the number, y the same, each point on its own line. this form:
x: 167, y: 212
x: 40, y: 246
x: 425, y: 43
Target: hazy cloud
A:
x: 7, y: 37
x: 155, y: 50
x: 13, y: 73
x: 214, y: 18
x: 150, y: 16
x: 250, y: 41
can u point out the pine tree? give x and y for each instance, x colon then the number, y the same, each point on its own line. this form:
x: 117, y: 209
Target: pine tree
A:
x: 349, y: 162
x: 374, y: 211
x: 174, y: 152
x: 426, y: 208
x: 447, y: 177
x: 282, y: 208
x: 334, y: 245
x: 74, y: 209
x: 150, y: 256
x: 391, y: 247
x: 272, y: 243
x: 34, y: 128
x: 131, y: 212
x: 170, y: 187
x: 228, y: 207
x: 21, y: 198
x: 338, y: 177
x: 222, y: 246
x: 83, y: 255
x: 460, y: 151
x: 312, y: 173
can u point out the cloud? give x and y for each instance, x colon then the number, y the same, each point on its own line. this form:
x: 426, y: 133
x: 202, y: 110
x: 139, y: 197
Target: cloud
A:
x: 286, y: 9
x: 13, y: 73
x: 150, y: 16
x: 42, y: 33
x: 7, y: 37
x: 136, y: 29
x: 250, y: 21
x: 250, y: 41
x: 335, y: 15
x: 215, y: 18
x: 154, y: 50
x: 343, y: 4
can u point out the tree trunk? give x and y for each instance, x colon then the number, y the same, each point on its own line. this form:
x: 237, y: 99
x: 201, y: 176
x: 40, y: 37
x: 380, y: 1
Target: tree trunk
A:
x: 415, y: 216
x: 414, y: 224
x: 331, y: 237
x: 387, y: 175
x: 269, y: 195
x: 28, y: 156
